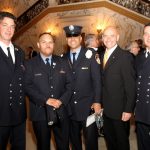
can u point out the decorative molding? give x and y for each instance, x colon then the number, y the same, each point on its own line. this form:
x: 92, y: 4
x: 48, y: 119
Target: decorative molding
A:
x: 140, y: 6
x: 80, y: 6
x: 32, y: 12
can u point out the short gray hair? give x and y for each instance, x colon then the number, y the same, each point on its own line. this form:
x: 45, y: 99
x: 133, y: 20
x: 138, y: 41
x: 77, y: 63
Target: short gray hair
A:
x: 89, y: 38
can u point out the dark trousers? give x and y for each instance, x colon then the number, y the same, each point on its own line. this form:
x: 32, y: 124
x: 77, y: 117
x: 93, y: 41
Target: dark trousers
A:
x: 143, y: 136
x: 43, y: 134
x: 116, y: 133
x: 16, y: 135
x: 90, y: 135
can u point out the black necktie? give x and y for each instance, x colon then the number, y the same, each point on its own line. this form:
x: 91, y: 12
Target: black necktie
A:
x: 48, y: 65
x: 74, y: 59
x: 9, y: 55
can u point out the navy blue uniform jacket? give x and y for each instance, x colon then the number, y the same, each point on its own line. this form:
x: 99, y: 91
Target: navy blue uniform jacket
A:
x: 12, y: 99
x: 86, y: 84
x: 142, y: 109
x: 40, y: 85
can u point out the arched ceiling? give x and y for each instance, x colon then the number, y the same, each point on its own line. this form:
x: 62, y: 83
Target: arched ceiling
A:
x: 17, y: 7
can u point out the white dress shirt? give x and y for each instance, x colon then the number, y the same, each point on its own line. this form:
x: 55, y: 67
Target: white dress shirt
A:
x: 12, y: 52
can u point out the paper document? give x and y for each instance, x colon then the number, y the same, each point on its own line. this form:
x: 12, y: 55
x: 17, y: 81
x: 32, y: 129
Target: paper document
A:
x: 90, y: 120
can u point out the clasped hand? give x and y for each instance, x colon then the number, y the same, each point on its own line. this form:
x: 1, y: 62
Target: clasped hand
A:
x: 54, y: 102
x: 96, y: 107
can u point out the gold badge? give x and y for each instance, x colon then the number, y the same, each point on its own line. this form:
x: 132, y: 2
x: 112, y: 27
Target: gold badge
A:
x: 97, y: 59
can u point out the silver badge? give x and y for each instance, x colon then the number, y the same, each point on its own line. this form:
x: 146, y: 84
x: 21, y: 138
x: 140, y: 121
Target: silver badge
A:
x: 71, y: 27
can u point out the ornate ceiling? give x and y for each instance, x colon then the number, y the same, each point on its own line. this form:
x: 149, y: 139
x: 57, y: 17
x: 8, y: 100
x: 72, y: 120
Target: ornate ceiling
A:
x: 17, y: 7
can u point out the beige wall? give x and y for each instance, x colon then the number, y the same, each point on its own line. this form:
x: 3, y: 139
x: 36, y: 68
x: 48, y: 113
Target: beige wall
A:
x: 89, y: 19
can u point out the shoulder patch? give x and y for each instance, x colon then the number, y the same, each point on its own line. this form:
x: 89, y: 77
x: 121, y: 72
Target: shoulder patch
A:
x: 97, y: 58
x: 88, y: 54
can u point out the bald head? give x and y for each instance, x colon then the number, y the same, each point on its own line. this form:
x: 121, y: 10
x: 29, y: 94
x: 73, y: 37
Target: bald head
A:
x: 110, y: 36
x: 111, y: 28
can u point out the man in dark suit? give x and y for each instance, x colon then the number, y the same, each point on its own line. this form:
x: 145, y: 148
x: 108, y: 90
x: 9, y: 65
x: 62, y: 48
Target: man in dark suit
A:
x: 12, y: 99
x: 142, y: 109
x: 118, y: 91
x: 48, y: 85
x: 87, y: 89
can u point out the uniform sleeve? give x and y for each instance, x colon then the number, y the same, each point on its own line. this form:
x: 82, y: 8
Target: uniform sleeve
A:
x: 66, y: 96
x: 96, y: 77
x: 33, y: 93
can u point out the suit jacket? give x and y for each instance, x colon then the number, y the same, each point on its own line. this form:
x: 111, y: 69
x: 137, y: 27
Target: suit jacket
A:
x: 118, y: 84
x: 12, y: 99
x: 41, y: 84
x: 142, y: 109
x: 86, y: 84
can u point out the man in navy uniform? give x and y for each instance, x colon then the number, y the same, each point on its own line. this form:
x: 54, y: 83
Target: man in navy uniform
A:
x: 48, y: 84
x: 87, y: 89
x: 12, y: 99
x: 142, y: 109
x: 118, y: 91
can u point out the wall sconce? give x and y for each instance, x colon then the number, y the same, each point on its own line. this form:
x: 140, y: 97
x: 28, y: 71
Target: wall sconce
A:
x: 8, y: 9
x: 49, y: 31
x: 99, y: 30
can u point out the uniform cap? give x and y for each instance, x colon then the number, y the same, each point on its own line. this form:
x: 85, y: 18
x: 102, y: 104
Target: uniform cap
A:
x: 72, y: 30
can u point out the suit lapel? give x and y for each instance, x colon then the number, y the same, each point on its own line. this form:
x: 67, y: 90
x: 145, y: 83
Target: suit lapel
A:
x: 17, y: 57
x: 69, y: 59
x: 113, y: 57
x: 53, y: 64
x: 41, y: 64
x: 5, y: 58
x: 44, y: 67
x: 142, y: 61
x: 80, y: 56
